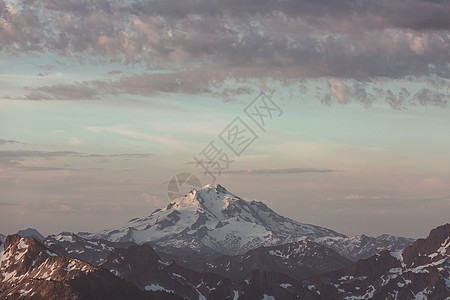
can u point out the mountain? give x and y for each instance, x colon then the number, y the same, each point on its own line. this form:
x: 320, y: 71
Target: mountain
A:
x: 421, y: 271
x: 29, y: 270
x: 141, y: 265
x: 363, y: 246
x: 211, y: 219
x: 31, y: 232
x: 298, y: 260
x: 92, y: 251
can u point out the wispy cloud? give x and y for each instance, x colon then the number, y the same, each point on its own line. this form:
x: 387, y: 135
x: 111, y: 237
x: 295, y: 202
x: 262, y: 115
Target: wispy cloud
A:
x: 2, y: 142
x: 17, y: 159
x: 165, y: 140
x: 278, y: 171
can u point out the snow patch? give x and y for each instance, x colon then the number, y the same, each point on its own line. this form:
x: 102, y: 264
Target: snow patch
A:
x: 51, y: 253
x: 236, y: 295
x: 22, y: 244
x: 157, y: 287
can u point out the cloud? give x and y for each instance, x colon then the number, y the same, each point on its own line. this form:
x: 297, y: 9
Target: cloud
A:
x: 3, y: 142
x: 367, y: 94
x: 16, y: 158
x: 114, y: 72
x: 63, y: 92
x: 22, y: 154
x: 286, y: 39
x: 165, y: 140
x: 47, y: 67
x: 152, y: 200
x: 206, y: 43
x: 191, y: 82
x: 338, y: 89
x: 278, y: 171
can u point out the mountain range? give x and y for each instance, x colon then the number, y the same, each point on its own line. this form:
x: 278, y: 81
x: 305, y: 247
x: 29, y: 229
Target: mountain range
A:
x: 212, y: 244
x: 30, y: 270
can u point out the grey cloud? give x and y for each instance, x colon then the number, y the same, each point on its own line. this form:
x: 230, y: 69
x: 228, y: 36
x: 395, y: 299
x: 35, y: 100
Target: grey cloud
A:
x: 114, y: 72
x: 135, y: 155
x: 406, y: 14
x: 15, y: 158
x: 47, y: 67
x: 429, y: 97
x: 2, y: 142
x: 21, y: 154
x: 278, y: 171
x: 366, y: 95
x: 187, y: 82
x: 207, y: 81
x: 208, y: 42
x: 248, y: 38
x: 63, y: 92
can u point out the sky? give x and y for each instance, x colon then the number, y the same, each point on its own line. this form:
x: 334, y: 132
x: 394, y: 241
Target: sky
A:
x: 334, y: 113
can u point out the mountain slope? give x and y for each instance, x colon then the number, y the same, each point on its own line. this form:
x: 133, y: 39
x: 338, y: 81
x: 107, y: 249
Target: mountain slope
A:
x: 421, y: 271
x: 363, y: 246
x: 141, y: 265
x: 93, y: 251
x: 29, y: 270
x: 213, y: 219
x: 299, y: 260
x: 31, y: 232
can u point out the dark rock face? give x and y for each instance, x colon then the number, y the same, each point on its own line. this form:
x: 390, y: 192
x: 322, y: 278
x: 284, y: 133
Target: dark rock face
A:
x: 421, y: 271
x: 142, y: 266
x: 30, y: 270
x: 299, y: 260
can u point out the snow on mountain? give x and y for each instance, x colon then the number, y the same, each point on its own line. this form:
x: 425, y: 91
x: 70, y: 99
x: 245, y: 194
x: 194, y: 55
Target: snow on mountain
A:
x: 141, y: 265
x: 74, y: 246
x: 213, y: 219
x: 25, y: 258
x: 29, y: 270
x: 298, y: 260
x: 421, y: 271
x: 363, y: 246
x: 31, y: 232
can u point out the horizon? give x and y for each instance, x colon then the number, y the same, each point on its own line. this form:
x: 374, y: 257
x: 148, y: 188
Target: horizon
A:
x: 203, y: 187
x: 331, y: 114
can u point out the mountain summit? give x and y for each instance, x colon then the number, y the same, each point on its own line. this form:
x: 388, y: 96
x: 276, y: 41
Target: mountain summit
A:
x: 213, y: 219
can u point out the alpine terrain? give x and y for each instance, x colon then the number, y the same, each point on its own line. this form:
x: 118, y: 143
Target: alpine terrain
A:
x: 211, y: 219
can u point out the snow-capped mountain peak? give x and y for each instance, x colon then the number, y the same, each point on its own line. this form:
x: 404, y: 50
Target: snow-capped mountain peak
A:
x: 213, y: 219
x: 212, y: 198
